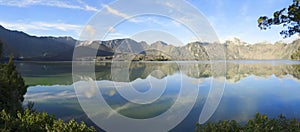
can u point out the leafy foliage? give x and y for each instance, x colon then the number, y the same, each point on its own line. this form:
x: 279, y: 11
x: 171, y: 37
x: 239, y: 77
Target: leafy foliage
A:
x: 12, y: 88
x: 39, y: 122
x: 12, y: 115
x: 290, y: 18
x: 257, y: 124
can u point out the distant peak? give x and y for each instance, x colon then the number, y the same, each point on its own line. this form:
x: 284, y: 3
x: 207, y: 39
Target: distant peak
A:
x: 235, y: 41
x: 127, y: 39
x: 161, y: 43
x: 279, y: 42
x: 143, y: 42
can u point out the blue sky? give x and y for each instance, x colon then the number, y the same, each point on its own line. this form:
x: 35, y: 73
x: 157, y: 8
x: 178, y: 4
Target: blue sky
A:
x: 229, y: 18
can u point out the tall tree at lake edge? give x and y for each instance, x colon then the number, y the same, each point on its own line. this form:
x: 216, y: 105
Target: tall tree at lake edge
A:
x: 12, y: 87
x: 1, y: 45
x: 14, y: 118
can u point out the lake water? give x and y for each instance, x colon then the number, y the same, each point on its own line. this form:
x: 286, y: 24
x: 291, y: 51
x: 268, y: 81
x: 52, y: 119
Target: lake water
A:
x: 269, y: 87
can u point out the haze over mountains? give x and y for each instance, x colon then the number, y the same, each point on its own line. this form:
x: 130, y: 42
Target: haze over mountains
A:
x: 26, y: 47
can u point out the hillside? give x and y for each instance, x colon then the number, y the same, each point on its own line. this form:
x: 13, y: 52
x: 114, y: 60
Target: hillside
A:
x: 26, y: 47
x: 236, y: 49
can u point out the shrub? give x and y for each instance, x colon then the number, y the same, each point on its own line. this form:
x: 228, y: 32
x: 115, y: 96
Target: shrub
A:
x: 39, y: 122
x: 257, y: 124
x: 12, y: 88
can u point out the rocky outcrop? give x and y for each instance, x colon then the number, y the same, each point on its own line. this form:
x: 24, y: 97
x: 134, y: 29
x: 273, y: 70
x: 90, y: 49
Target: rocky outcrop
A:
x: 237, y: 50
x: 26, y: 47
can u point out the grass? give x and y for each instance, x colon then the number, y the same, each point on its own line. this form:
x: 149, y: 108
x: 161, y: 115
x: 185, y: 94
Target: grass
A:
x: 49, y: 80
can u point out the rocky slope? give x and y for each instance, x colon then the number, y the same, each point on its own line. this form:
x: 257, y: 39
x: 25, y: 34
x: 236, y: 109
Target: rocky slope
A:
x: 236, y: 49
x: 26, y: 47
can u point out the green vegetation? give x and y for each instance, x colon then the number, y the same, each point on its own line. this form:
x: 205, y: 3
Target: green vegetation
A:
x: 14, y: 118
x: 1, y: 45
x: 41, y: 122
x: 260, y: 123
x: 12, y: 88
x: 290, y: 18
x: 62, y: 79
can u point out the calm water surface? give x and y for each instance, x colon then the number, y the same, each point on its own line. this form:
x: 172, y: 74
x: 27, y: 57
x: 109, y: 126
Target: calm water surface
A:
x: 270, y: 87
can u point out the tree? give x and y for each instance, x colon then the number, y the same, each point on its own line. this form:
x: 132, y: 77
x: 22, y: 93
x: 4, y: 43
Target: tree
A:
x: 288, y: 17
x: 12, y: 115
x: 12, y: 88
x: 1, y: 45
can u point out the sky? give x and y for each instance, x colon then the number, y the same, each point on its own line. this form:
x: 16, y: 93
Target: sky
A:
x: 228, y: 18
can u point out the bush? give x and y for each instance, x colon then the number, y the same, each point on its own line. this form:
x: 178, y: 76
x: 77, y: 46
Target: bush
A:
x: 257, y: 124
x: 12, y: 88
x: 39, y: 122
x: 14, y: 118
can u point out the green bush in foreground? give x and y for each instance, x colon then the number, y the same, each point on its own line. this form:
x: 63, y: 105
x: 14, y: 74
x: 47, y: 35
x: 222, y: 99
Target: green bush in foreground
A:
x: 260, y: 123
x: 12, y: 88
x: 39, y: 122
x: 12, y: 116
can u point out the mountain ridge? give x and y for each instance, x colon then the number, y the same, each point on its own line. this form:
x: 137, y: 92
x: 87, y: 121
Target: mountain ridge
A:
x: 27, y: 47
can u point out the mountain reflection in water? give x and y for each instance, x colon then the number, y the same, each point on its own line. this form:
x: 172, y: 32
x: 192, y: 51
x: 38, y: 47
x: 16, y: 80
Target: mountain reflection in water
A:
x: 270, y: 87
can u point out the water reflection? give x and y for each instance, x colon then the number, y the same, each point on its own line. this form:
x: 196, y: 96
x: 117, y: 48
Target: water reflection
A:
x: 60, y: 73
x: 270, y: 87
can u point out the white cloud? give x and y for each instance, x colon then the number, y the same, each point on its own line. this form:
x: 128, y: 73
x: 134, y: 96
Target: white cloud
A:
x: 88, y: 32
x: 157, y: 20
x: 53, y: 3
x: 87, y: 7
x: 115, y: 12
x: 119, y: 13
x: 111, y: 29
x: 41, y: 26
x: 171, y: 5
x: 58, y: 26
x: 175, y: 23
x: 115, y: 35
x: 90, y: 8
x: 18, y: 3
